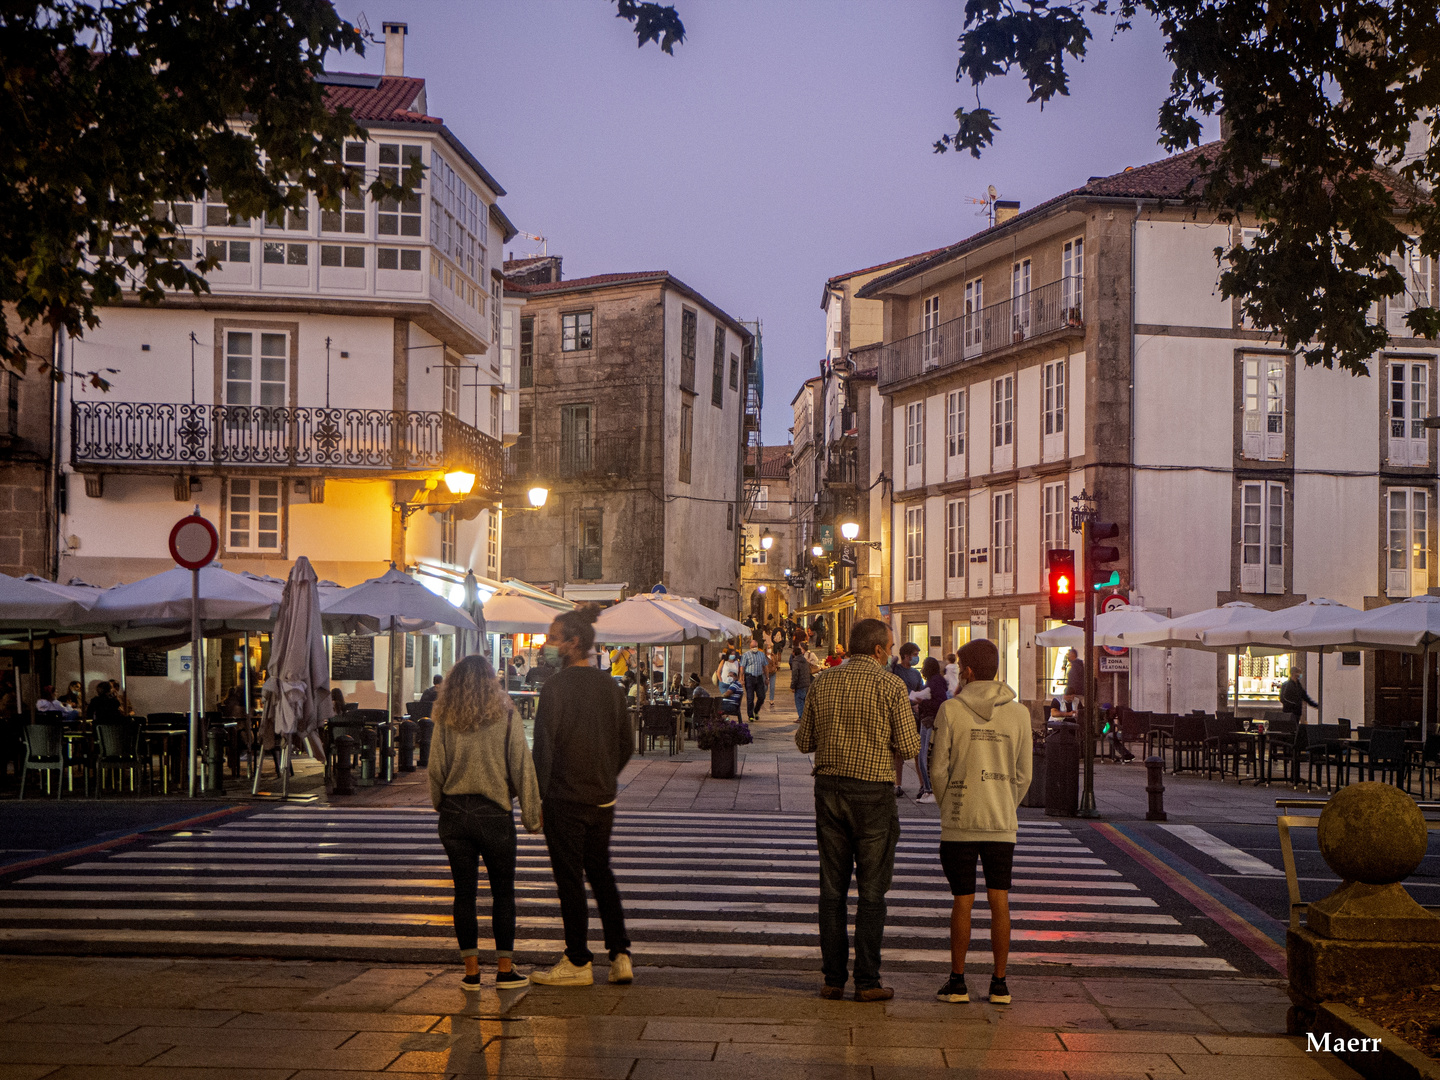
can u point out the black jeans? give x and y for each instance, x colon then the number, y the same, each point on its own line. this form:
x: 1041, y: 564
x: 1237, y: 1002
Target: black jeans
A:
x: 578, y: 838
x: 471, y: 828
x: 857, y: 827
x: 755, y: 686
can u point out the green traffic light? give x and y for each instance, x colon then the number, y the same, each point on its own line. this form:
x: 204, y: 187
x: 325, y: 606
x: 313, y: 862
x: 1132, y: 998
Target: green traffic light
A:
x: 1110, y: 582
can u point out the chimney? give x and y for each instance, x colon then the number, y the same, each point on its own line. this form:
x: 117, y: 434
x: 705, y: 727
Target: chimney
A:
x: 1005, y: 209
x: 395, y: 48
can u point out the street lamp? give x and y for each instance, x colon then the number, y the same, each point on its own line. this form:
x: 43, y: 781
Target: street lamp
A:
x: 849, y: 528
x: 767, y: 541
x: 817, y: 550
x: 763, y: 589
x: 537, y: 496
x: 460, y: 482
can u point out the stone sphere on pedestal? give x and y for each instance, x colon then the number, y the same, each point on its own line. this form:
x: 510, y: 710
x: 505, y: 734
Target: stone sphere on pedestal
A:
x: 1372, y: 833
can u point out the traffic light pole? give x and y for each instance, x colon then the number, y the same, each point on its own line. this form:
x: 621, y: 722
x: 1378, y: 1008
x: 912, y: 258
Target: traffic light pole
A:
x: 1087, y: 725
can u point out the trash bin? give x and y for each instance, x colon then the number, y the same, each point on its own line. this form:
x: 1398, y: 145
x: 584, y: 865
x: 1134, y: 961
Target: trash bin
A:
x: 1062, y: 772
x: 1035, y: 796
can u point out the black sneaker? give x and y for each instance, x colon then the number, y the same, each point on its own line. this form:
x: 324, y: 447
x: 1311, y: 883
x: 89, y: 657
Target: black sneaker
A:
x: 954, y: 990
x: 999, y: 992
x: 470, y: 982
x: 510, y: 980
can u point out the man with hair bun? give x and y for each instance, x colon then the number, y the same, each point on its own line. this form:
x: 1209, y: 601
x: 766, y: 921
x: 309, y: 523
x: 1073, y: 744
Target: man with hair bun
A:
x: 980, y: 766
x: 583, y: 738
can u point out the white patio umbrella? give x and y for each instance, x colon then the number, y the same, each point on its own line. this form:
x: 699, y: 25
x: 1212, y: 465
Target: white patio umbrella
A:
x: 394, y: 603
x: 1110, y: 628
x: 29, y: 603
x: 1187, y: 632
x: 516, y: 613
x: 165, y: 598
x: 297, y: 693
x: 647, y: 620
x: 1318, y: 625
x: 701, y: 614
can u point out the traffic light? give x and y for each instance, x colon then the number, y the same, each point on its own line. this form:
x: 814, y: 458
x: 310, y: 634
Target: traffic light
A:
x: 1060, y: 565
x: 1101, y: 554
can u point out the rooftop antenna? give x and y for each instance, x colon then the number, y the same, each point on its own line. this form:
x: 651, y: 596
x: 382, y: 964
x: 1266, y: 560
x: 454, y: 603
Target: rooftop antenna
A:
x: 987, y: 204
x: 363, y: 25
x: 544, y: 244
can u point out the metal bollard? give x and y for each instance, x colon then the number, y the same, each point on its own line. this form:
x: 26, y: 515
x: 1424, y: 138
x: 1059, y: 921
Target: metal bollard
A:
x: 215, y: 761
x: 345, y: 765
x: 407, y: 746
x: 369, y: 759
x: 427, y: 728
x: 1155, y: 788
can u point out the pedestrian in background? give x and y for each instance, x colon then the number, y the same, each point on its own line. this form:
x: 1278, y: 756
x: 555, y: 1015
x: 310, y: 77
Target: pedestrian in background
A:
x: 927, y: 701
x: 583, y: 738
x: 754, y: 664
x: 857, y: 718
x: 981, y: 765
x: 1074, y: 680
x: 478, y: 763
x: 1293, y: 698
x: 772, y: 666
x: 914, y: 682
x: 802, y: 674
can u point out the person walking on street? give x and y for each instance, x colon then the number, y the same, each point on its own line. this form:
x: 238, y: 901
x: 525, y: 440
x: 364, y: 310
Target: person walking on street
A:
x: 478, y: 763
x: 802, y: 674
x: 927, y: 702
x: 583, y: 738
x: 981, y: 765
x: 1074, y: 680
x: 856, y: 719
x: 772, y: 666
x: 914, y: 682
x: 754, y: 664
x: 1293, y: 698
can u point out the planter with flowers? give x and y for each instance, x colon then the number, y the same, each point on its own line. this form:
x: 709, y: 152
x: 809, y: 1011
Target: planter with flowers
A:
x: 720, y: 736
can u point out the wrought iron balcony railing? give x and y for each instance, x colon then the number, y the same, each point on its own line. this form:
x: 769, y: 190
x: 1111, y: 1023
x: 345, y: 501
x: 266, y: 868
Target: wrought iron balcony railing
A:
x: 144, y: 433
x: 1057, y: 306
x: 575, y: 459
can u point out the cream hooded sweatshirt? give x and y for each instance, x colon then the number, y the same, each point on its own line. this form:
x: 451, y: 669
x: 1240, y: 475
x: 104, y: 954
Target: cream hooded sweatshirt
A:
x: 980, y: 760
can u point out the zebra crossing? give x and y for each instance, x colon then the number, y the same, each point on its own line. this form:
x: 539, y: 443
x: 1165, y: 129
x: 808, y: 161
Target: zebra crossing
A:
x: 700, y: 889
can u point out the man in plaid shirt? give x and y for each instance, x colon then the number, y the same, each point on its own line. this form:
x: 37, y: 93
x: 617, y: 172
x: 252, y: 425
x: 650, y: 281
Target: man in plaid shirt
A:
x: 857, y: 719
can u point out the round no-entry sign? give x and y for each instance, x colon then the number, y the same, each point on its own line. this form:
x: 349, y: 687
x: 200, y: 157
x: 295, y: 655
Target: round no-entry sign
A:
x: 193, y: 542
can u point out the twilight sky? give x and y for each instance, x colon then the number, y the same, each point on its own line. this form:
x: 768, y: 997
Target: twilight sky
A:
x: 786, y: 141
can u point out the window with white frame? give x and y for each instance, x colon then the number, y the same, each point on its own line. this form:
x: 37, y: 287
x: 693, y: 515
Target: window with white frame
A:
x: 1409, y: 406
x: 914, y: 551
x: 400, y: 217
x: 915, y: 444
x: 496, y: 401
x: 1072, y: 281
x: 955, y: 553
x: 253, y: 515
x: 1262, y: 537
x: 492, y: 543
x: 930, y: 331
x: 1263, y: 417
x: 974, y: 301
x: 255, y: 367
x: 1002, y: 423
x: 757, y: 553
x: 450, y: 389
x: 1002, y: 541
x: 448, y: 535
x: 762, y: 497
x: 1417, y: 270
x: 1053, y: 531
x: 955, y: 434
x: 1052, y: 402
x: 1407, y: 571
x: 1020, y: 298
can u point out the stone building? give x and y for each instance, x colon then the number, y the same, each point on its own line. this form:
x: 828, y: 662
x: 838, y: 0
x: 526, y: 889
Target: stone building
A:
x: 28, y: 512
x: 770, y: 514
x: 1084, y: 344
x: 630, y: 410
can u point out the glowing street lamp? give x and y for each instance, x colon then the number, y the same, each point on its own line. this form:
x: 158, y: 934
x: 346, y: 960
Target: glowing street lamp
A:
x: 460, y: 482
x: 817, y: 550
x: 537, y: 496
x: 849, y: 528
x: 767, y: 541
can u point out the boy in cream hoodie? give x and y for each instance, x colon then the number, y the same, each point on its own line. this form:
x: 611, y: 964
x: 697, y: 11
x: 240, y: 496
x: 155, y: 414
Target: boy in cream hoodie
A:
x: 980, y: 768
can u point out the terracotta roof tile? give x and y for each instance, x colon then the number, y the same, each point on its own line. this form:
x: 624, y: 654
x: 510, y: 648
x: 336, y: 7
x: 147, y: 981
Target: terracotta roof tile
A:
x: 391, y: 99
x: 591, y: 282
x: 775, y: 462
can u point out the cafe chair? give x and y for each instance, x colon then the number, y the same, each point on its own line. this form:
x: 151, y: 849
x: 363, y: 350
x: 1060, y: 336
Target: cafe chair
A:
x: 45, y: 752
x: 657, y: 722
x: 1427, y: 760
x: 1387, y: 753
x: 117, y: 750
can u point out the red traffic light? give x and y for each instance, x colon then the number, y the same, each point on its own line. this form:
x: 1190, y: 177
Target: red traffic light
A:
x: 1060, y: 572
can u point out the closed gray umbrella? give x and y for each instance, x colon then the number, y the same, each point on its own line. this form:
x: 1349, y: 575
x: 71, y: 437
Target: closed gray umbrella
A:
x: 297, y: 693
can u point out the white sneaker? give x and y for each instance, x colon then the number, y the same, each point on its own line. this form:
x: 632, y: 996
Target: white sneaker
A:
x: 621, y: 970
x: 925, y: 797
x: 564, y: 974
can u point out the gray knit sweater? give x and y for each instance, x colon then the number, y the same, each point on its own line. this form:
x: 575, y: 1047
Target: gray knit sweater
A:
x: 473, y: 763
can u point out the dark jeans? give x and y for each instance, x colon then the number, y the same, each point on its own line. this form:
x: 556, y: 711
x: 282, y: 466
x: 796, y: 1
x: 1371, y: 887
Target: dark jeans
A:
x: 754, y: 695
x: 471, y: 828
x: 857, y: 827
x: 800, y: 700
x: 578, y: 838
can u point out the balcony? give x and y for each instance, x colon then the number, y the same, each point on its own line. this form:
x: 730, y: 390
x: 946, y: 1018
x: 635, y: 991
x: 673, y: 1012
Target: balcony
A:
x: 1049, y: 309
x: 589, y: 459
x: 842, y: 466
x: 148, y: 437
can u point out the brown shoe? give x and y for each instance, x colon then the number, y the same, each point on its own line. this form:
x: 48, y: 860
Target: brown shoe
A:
x: 832, y: 993
x: 874, y: 993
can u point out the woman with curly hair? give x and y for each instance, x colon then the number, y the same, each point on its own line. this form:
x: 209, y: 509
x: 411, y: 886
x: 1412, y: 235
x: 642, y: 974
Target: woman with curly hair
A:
x: 478, y: 763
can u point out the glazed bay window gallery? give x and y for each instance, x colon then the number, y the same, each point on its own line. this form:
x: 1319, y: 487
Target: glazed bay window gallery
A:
x: 253, y: 518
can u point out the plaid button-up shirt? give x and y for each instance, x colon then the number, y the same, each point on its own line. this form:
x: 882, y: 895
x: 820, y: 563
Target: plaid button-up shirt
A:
x: 857, y: 718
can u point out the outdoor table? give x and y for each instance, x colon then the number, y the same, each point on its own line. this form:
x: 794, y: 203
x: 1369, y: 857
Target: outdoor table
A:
x: 526, y: 700
x: 1263, y: 772
x: 166, y: 736
x: 76, y: 750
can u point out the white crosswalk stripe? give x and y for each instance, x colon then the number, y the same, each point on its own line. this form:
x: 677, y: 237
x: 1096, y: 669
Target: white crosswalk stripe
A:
x: 698, y: 888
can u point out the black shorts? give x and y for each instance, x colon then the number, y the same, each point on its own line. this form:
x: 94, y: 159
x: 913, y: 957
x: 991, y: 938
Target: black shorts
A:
x: 957, y: 857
